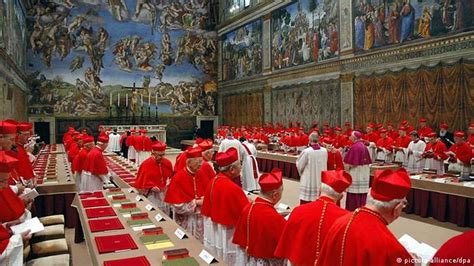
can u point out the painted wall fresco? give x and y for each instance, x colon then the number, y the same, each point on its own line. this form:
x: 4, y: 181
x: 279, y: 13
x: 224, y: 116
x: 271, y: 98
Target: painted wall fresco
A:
x: 307, y: 103
x: 242, y: 52
x: 304, y: 32
x: 13, y: 31
x: 379, y: 23
x: 117, y: 57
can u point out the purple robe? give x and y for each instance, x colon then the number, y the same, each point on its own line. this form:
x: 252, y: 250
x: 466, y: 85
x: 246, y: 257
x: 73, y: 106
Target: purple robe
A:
x: 358, y: 154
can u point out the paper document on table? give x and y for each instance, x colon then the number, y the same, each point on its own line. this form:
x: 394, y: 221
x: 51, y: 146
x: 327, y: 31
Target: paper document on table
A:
x: 29, y: 194
x: 424, y: 251
x: 34, y: 225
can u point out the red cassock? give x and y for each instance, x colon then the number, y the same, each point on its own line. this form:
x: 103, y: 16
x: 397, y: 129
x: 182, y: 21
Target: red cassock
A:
x: 455, y: 248
x: 463, y: 152
x: 439, y: 150
x: 152, y: 174
x: 73, y: 151
x: 130, y: 141
x: 299, y: 241
x: 470, y: 139
x: 78, y: 163
x: 138, y: 143
x: 259, y: 228
x: 95, y: 162
x: 12, y: 206
x: 424, y: 131
x: 206, y: 172
x: 24, y: 167
x: 223, y: 201
x: 66, y: 137
x: 348, y: 132
x: 180, y: 162
x: 402, y: 141
x: 184, y: 187
x: 335, y: 160
x: 367, y: 241
x: 393, y: 134
x: 371, y: 137
x: 264, y: 139
x: 340, y: 141
x: 68, y: 144
x: 386, y: 143
x: 146, y: 143
x: 4, y: 239
x: 303, y: 140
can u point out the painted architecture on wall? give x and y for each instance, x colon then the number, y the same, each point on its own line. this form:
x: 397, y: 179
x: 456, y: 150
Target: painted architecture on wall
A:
x: 303, y: 32
x: 379, y: 23
x: 101, y: 57
x: 13, y: 31
x: 242, y: 51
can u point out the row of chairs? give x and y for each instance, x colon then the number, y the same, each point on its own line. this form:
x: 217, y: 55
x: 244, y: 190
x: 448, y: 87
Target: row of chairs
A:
x: 48, y: 247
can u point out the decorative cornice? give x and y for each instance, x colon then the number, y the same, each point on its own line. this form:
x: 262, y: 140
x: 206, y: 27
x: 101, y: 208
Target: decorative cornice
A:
x: 10, y: 65
x: 461, y: 44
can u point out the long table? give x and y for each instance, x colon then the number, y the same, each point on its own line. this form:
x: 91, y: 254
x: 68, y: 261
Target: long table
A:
x: 444, y: 201
x: 155, y: 257
x: 169, y: 226
x: 57, y: 194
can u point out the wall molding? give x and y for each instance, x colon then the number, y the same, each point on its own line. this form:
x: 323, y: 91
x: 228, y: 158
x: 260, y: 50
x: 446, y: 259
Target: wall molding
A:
x: 451, y: 48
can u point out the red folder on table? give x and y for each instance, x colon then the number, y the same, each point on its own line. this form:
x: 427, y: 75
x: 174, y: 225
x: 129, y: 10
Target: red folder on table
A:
x: 114, y: 243
x: 136, y: 261
x: 105, y: 224
x: 88, y: 195
x: 100, y: 212
x: 88, y: 203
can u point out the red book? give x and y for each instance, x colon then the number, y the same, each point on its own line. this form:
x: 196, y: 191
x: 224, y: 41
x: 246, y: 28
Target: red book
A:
x: 128, y: 175
x: 118, y: 197
x: 128, y: 179
x: 100, y: 212
x: 105, y: 224
x: 130, y: 205
x: 136, y: 261
x: 114, y: 189
x: 114, y: 243
x: 88, y: 203
x: 153, y: 231
x: 88, y: 195
x: 176, y: 253
x: 139, y: 216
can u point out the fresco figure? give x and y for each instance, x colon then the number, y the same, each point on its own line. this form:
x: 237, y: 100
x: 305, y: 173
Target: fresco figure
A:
x: 408, y: 21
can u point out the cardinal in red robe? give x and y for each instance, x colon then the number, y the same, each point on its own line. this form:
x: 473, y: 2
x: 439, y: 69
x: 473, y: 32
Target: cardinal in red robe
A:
x: 95, y: 172
x: 309, y: 224
x: 153, y: 177
x: 455, y: 249
x: 223, y: 203
x: 24, y: 167
x: 260, y: 226
x: 334, y: 156
x: 77, y: 165
x: 185, y: 193
x: 424, y: 130
x: 207, y: 172
x: 362, y: 237
x: 12, y: 207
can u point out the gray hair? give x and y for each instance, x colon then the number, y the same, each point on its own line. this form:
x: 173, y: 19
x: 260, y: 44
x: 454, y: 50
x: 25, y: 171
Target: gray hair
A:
x: 326, y: 189
x: 227, y: 167
x: 384, y: 206
x: 192, y: 160
x: 313, y: 138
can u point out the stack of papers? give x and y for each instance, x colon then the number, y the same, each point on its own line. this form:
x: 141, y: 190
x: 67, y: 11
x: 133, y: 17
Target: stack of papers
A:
x: 422, y: 250
x: 34, y: 225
